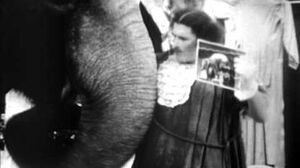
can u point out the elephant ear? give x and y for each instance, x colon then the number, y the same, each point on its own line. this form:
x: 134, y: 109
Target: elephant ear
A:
x: 114, y: 69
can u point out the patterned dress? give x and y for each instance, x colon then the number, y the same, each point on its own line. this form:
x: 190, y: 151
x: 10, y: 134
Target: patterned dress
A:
x: 201, y: 132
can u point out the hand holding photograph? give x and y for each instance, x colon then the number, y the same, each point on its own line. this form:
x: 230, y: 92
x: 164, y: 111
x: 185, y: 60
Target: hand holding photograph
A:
x: 215, y: 64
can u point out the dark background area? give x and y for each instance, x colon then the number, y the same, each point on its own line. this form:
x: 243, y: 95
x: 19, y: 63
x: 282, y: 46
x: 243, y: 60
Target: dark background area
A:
x: 292, y: 103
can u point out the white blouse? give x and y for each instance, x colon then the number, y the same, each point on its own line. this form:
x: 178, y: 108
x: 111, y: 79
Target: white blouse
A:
x: 174, y: 82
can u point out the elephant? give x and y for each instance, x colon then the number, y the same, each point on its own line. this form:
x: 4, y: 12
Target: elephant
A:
x: 88, y: 67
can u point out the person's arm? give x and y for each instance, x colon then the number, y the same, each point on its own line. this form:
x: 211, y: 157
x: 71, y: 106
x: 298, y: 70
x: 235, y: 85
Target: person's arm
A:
x: 250, y: 91
x: 258, y: 105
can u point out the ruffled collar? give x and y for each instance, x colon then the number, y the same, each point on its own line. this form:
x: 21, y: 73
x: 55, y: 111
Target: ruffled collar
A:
x: 174, y: 82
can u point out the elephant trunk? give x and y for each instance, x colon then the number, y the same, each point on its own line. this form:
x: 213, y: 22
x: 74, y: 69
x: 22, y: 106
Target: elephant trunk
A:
x: 114, y: 68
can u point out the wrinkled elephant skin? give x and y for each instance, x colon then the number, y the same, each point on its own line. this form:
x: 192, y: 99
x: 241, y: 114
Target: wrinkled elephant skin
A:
x: 109, y: 62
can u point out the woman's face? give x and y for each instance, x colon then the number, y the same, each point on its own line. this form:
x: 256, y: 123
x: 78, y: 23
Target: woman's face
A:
x: 184, y: 42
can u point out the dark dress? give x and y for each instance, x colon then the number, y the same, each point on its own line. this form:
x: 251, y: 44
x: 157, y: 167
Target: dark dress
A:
x: 204, y: 132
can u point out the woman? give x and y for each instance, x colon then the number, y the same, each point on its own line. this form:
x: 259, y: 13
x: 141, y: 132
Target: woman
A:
x: 195, y: 125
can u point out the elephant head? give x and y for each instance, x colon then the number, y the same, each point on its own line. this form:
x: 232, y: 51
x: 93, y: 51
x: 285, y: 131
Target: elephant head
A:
x: 112, y: 66
x: 120, y: 93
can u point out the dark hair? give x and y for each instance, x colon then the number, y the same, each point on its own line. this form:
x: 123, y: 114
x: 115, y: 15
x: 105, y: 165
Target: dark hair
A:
x: 202, y: 25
